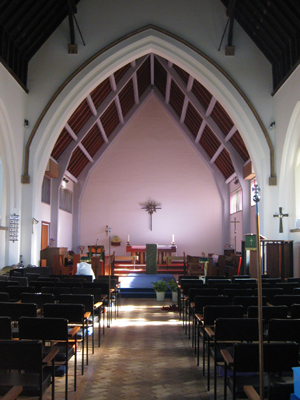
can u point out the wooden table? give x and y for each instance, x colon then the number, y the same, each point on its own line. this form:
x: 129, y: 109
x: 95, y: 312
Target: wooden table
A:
x: 141, y: 251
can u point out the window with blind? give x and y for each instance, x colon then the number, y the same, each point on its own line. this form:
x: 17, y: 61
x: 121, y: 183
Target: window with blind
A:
x: 236, y: 201
x: 65, y: 200
x: 46, y: 190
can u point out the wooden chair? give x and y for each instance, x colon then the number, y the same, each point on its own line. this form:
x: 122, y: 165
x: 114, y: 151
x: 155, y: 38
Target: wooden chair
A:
x: 247, y: 301
x: 288, y: 287
x: 210, y: 314
x: 185, y: 286
x: 268, y: 312
x: 231, y: 293
x: 269, y: 293
x: 284, y: 330
x: 4, y: 296
x: 277, y: 391
x: 199, y: 303
x: 295, y: 311
x: 190, y: 304
x: 98, y: 305
x: 23, y: 280
x: 88, y: 301
x: 225, y: 332
x: 57, y: 291
x: 75, y: 314
x: 15, y: 292
x: 15, y: 311
x: 22, y: 363
x: 194, y: 267
x: 244, y: 364
x: 5, y: 328
x: 53, y: 330
x: 286, y: 300
x: 38, y: 298
x: 13, y: 393
x: 39, y: 284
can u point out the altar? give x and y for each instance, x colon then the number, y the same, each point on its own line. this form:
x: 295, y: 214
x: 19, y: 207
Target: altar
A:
x: 162, y: 251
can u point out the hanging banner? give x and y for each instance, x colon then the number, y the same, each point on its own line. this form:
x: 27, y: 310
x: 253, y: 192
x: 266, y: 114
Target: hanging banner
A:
x: 250, y: 241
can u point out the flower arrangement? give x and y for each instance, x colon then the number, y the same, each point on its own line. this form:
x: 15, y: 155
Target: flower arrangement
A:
x: 160, y: 286
x: 173, y: 285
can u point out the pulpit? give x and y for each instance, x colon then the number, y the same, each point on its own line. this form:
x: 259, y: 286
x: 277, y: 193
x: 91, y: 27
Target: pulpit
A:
x: 96, y: 250
x: 277, y: 259
x: 48, y: 253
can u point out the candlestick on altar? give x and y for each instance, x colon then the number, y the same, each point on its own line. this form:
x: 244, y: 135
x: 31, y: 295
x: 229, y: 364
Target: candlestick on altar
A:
x: 128, y: 239
x: 173, y: 239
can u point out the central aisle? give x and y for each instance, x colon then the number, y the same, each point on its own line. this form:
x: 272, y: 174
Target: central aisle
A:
x: 145, y: 355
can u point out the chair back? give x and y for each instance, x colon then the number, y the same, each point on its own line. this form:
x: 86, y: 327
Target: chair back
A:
x: 286, y: 299
x: 17, y: 310
x: 245, y: 281
x: 38, y: 298
x: 45, y: 329
x: 85, y: 278
x: 295, y: 311
x: 237, y: 292
x: 21, y: 355
x: 285, y: 330
x: 15, y: 292
x: 70, y: 283
x: 268, y: 312
x: 236, y: 329
x: 39, y: 284
x: 201, y: 292
x: 23, y: 280
x: 49, y: 279
x: 4, y: 296
x: 181, y: 277
x: 278, y: 357
x: 239, y: 277
x: 269, y: 293
x: 57, y: 291
x: 287, y: 287
x: 212, y: 312
x: 86, y: 299
x: 185, y: 287
x: 74, y: 313
x: 247, y: 301
x: 5, y: 328
x: 96, y: 292
x: 202, y: 301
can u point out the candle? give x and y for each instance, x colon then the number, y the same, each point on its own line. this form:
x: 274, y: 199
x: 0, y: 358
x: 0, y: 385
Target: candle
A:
x: 128, y: 238
x: 173, y: 238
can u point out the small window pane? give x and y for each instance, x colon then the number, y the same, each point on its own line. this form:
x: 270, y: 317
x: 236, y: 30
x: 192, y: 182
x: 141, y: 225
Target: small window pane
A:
x: 65, y: 200
x: 236, y: 201
x: 46, y: 190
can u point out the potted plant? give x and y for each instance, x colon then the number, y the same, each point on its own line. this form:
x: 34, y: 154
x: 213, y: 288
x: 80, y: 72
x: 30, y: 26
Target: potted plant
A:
x: 160, y: 287
x: 174, y: 289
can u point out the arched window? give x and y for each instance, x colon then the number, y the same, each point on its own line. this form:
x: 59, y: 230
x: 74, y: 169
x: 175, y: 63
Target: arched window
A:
x: 1, y: 188
x: 297, y: 187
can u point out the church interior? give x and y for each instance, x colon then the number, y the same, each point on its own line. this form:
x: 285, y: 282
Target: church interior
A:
x: 143, y: 141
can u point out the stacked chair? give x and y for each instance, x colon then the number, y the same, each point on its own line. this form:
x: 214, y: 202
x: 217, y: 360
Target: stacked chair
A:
x: 51, y: 317
x: 225, y: 328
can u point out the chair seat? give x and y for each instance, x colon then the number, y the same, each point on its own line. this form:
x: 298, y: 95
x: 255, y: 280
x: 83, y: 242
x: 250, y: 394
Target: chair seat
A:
x: 252, y: 378
x: 61, y: 355
x: 29, y: 381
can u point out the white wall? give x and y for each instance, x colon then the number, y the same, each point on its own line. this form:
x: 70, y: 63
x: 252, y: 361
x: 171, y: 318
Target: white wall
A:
x: 12, y: 114
x: 152, y: 160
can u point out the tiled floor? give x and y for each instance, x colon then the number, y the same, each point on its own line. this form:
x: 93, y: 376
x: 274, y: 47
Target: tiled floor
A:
x: 145, y: 354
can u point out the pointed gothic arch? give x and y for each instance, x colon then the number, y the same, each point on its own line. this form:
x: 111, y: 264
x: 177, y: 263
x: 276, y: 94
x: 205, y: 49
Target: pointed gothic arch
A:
x: 99, y: 67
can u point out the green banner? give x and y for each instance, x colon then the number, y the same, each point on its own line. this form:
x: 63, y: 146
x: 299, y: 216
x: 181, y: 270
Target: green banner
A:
x: 250, y: 242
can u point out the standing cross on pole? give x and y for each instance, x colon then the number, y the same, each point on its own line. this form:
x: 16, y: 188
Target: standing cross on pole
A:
x: 280, y: 216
